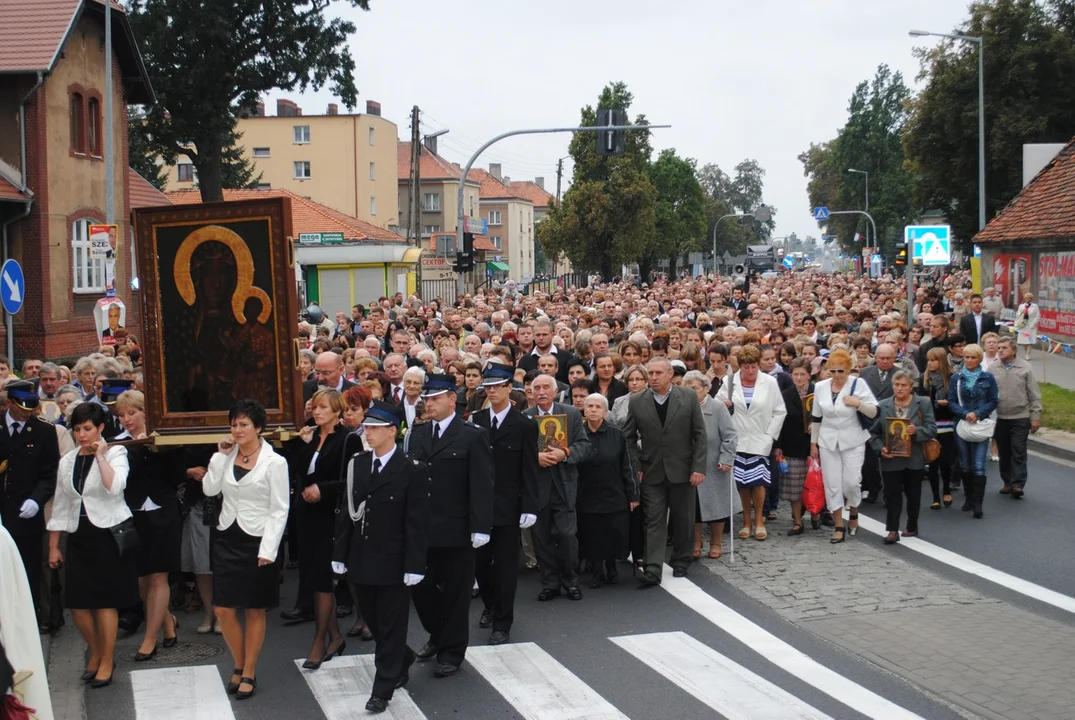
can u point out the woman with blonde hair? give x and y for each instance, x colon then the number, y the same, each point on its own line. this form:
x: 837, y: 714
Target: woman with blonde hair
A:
x: 838, y: 436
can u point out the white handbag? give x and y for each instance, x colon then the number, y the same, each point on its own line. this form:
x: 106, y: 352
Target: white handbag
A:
x: 975, y: 432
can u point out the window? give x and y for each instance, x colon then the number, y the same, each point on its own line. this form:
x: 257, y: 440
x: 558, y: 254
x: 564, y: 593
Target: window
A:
x: 263, y: 152
x: 302, y: 134
x: 431, y: 201
x: 373, y: 171
x: 494, y: 217
x: 430, y: 229
x: 93, y: 126
x: 264, y: 186
x: 373, y: 205
x: 302, y: 170
x: 78, y: 124
x: 89, y: 275
x: 496, y: 241
x: 373, y: 137
x: 185, y: 172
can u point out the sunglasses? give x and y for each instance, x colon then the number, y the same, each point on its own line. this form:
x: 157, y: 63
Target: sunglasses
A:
x: 837, y: 372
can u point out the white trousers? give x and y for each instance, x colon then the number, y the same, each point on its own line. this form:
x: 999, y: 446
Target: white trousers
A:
x: 841, y: 472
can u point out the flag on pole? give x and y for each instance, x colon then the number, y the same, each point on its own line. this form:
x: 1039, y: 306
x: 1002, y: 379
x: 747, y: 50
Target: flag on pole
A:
x: 858, y: 237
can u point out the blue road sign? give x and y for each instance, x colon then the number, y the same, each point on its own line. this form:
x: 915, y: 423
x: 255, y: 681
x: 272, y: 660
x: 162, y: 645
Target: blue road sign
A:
x: 788, y: 262
x: 821, y: 213
x: 12, y: 287
x: 931, y: 244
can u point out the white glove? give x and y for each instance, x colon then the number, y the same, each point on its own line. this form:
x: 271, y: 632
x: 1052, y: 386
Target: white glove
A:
x: 478, y: 539
x: 526, y: 520
x: 412, y: 579
x: 339, y: 568
x: 30, y: 507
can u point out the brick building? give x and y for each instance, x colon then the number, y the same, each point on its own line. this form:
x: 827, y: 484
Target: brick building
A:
x: 52, y: 170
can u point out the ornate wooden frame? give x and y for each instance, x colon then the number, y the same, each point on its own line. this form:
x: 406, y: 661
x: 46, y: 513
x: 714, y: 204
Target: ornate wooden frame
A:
x: 262, y: 308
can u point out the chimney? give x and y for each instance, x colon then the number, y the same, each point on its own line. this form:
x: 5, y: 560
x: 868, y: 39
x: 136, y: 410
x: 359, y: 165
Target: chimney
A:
x: 260, y: 111
x: 494, y: 170
x: 506, y: 180
x: 430, y: 143
x: 287, y: 108
x: 540, y: 182
x: 333, y: 109
x: 373, y: 108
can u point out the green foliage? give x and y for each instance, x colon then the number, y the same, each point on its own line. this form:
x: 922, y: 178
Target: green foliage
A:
x: 728, y: 196
x: 871, y: 140
x: 237, y: 170
x: 141, y: 156
x: 681, y: 208
x: 209, y: 61
x: 608, y: 215
x: 1029, y: 98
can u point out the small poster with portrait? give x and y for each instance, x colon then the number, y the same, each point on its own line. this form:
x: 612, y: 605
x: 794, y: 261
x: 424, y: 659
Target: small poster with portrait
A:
x: 808, y: 411
x: 897, y: 439
x: 552, y: 432
x: 110, y: 316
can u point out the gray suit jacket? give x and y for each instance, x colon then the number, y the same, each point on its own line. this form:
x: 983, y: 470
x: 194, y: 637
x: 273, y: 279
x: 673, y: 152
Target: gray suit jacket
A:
x: 872, y: 377
x: 670, y: 452
x: 564, y: 476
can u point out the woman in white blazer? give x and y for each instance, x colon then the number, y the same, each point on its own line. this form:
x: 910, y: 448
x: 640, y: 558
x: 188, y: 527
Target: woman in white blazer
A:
x: 89, y: 502
x: 254, y: 482
x: 1026, y: 323
x: 758, y: 411
x: 839, y: 440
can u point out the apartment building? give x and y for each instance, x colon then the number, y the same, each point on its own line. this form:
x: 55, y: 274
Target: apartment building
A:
x: 511, y: 218
x: 347, y: 162
x: 439, y: 188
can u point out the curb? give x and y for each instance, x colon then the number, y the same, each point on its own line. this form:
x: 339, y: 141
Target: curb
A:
x: 1051, y: 449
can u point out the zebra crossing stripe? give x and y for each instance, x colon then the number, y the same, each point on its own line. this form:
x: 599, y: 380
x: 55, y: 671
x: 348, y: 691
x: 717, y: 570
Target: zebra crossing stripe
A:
x: 194, y: 692
x: 721, y: 683
x: 343, y: 685
x: 782, y: 654
x: 537, y: 685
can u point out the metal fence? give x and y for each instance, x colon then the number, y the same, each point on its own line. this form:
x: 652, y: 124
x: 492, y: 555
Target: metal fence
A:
x: 561, y: 282
x: 443, y: 289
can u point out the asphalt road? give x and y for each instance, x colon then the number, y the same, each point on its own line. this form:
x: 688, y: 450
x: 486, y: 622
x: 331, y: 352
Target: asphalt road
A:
x: 685, y: 628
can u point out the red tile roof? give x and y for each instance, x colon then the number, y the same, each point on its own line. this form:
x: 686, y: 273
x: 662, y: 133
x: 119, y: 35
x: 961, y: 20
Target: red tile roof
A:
x: 529, y: 189
x: 307, y: 216
x: 493, y: 189
x: 480, y: 242
x: 1043, y: 210
x: 9, y: 191
x: 143, y: 194
x: 432, y: 167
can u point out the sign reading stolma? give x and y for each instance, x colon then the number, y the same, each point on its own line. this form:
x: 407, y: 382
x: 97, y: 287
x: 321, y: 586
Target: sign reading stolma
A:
x: 932, y: 244
x: 1056, y: 292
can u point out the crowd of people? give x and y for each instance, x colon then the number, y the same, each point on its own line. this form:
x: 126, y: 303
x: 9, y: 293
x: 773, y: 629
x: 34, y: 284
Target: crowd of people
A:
x: 447, y: 447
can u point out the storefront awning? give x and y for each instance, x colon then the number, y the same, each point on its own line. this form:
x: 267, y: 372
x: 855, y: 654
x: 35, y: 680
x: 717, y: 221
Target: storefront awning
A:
x: 501, y: 266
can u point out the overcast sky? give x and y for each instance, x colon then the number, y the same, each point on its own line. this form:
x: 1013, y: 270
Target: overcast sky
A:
x: 757, y: 79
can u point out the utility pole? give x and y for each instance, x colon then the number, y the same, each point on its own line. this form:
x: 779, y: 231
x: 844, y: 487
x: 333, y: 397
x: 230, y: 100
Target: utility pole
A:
x: 414, y: 227
x: 559, y: 177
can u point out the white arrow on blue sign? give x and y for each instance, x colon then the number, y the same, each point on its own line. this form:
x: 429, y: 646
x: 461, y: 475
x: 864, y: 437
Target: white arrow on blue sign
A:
x: 12, y: 287
x: 789, y: 262
x: 821, y: 213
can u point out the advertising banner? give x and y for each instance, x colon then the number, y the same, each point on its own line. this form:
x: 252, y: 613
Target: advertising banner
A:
x: 1056, y: 292
x: 1011, y: 278
x: 105, y: 245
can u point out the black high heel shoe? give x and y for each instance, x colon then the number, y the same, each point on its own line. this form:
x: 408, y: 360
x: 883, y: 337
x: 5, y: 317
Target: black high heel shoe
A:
x: 171, y: 642
x: 89, y: 675
x: 144, y: 657
x: 98, y: 684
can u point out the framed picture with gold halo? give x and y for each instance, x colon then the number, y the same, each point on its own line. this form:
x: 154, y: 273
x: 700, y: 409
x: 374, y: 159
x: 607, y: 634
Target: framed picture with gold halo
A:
x: 219, y: 307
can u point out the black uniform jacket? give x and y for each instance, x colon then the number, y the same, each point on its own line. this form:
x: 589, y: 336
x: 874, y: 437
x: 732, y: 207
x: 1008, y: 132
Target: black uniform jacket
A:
x: 390, y: 538
x: 461, y: 465
x: 326, y: 474
x: 29, y: 472
x: 515, y: 463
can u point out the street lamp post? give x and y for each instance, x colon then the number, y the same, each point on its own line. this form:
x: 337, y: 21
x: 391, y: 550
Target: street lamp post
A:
x: 761, y: 213
x: 981, y: 111
x: 867, y: 174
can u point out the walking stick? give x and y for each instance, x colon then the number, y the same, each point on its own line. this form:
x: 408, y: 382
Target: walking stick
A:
x: 731, y: 516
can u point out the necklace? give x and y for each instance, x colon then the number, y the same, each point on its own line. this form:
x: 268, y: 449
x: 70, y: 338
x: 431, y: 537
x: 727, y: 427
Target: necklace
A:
x: 246, y: 457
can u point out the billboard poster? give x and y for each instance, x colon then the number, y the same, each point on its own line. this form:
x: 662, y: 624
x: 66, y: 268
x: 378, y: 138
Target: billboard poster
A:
x: 1011, y: 278
x: 110, y: 317
x: 1056, y: 292
x: 104, y: 245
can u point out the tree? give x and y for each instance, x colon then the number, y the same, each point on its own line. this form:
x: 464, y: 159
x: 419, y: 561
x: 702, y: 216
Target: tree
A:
x: 237, y: 170
x: 142, y: 158
x: 871, y: 141
x: 210, y: 61
x: 1029, y: 98
x: 728, y: 196
x: 608, y: 215
x: 680, y: 212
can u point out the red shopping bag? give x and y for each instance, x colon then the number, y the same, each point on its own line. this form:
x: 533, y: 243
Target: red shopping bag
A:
x: 813, y: 489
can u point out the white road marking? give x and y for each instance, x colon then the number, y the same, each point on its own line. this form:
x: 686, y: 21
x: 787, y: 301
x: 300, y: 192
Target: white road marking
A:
x: 194, y: 692
x: 343, y: 685
x: 724, y: 685
x: 537, y: 686
x: 781, y: 653
x: 1023, y: 587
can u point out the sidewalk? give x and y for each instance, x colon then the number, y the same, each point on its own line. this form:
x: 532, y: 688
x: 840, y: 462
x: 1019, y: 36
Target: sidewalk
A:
x: 975, y: 652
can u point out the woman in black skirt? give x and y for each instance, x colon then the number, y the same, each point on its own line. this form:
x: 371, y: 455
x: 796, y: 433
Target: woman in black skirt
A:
x: 607, y: 494
x: 89, y: 502
x: 151, y: 496
x: 316, y: 458
x: 253, y: 480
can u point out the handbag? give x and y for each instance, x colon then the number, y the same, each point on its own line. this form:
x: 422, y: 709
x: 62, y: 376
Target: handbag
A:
x: 931, y: 449
x: 864, y: 422
x: 813, y: 488
x: 126, y: 537
x: 975, y: 432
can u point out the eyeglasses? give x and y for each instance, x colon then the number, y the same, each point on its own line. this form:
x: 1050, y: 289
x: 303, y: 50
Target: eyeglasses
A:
x: 837, y: 372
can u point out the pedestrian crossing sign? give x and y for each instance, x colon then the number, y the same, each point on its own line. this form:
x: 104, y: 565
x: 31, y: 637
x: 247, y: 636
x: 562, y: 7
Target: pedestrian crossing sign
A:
x: 931, y: 244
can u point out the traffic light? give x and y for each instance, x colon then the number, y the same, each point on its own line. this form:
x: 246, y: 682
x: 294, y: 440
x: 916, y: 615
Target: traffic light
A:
x: 464, y: 259
x: 901, y: 253
x: 611, y: 142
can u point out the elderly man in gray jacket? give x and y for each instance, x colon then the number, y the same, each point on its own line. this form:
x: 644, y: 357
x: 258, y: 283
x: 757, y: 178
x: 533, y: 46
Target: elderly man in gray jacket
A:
x: 1018, y: 414
x: 668, y: 421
